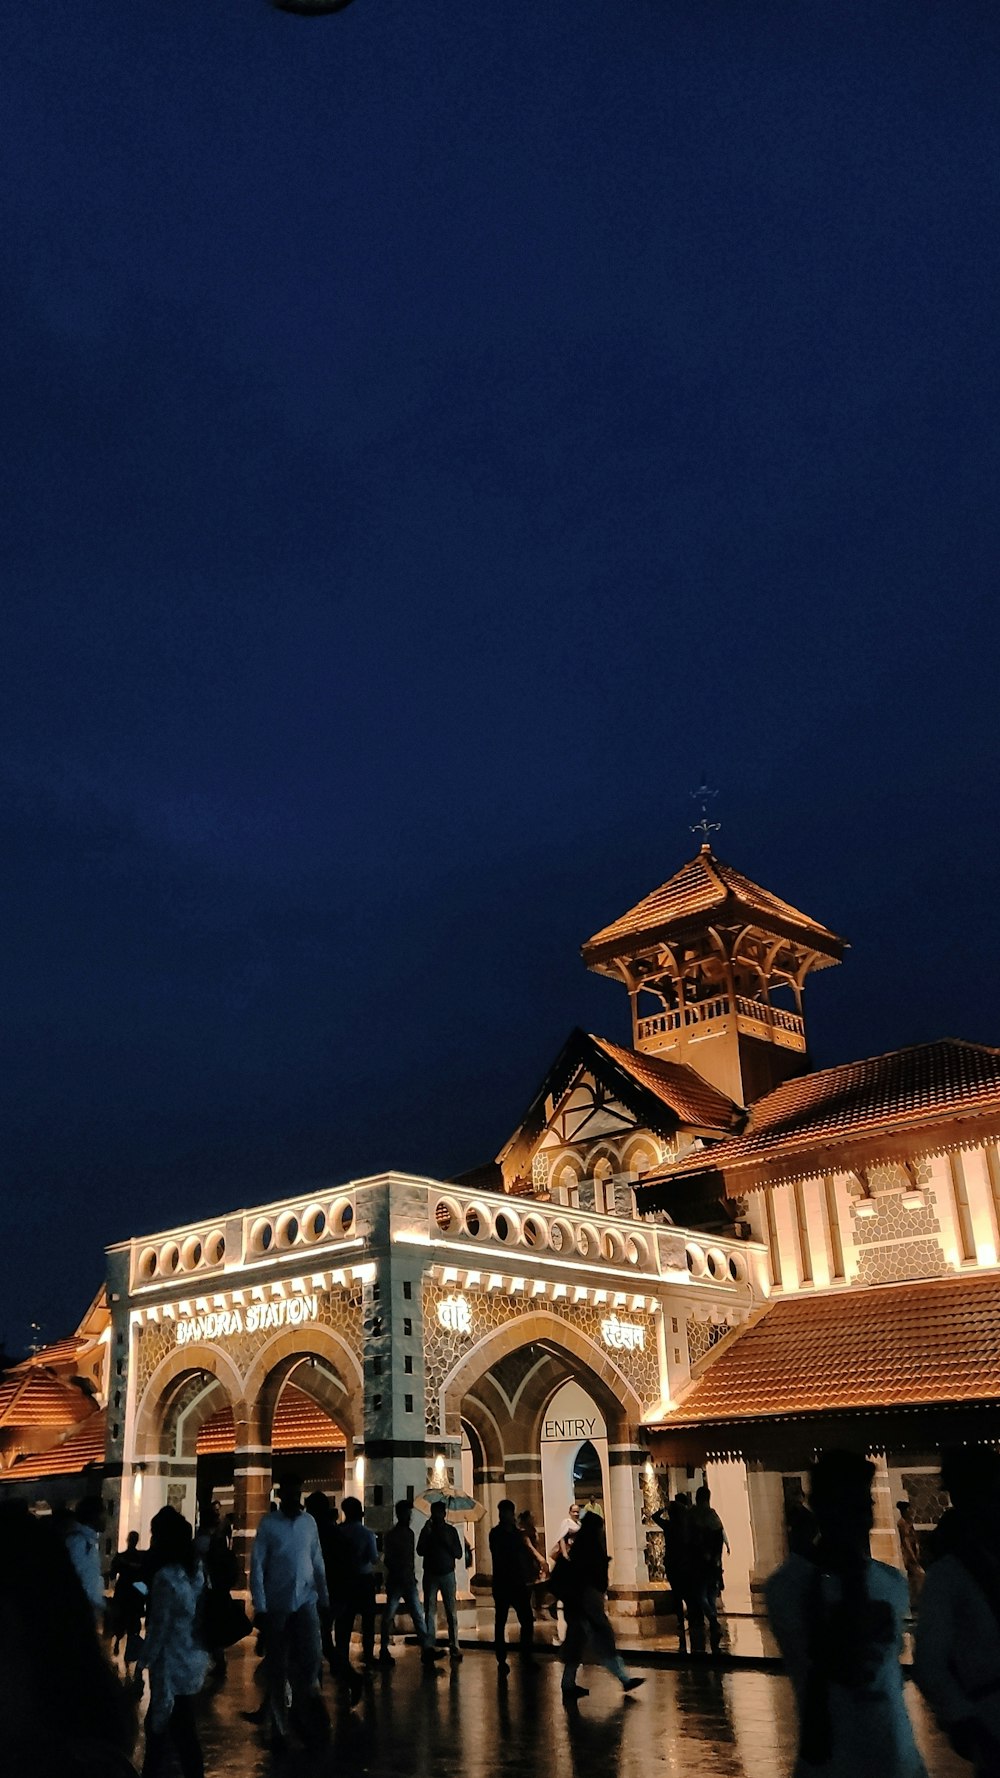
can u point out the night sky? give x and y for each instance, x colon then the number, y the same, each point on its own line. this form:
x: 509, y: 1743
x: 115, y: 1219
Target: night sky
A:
x: 433, y: 436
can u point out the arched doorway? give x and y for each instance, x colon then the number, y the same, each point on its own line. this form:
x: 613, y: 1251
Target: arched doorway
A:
x: 573, y: 1447
x: 307, y: 1440
x: 504, y: 1393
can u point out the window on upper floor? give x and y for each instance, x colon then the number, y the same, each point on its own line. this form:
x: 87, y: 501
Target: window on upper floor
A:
x: 566, y: 1190
x: 604, y: 1188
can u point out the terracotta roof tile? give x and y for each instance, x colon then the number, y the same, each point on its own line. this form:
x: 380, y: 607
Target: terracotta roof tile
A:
x: 925, y: 1084
x: 693, y: 1099
x: 898, y: 1345
x: 35, y: 1398
x: 60, y: 1352
x: 78, y: 1452
x: 299, y: 1425
x: 704, y: 885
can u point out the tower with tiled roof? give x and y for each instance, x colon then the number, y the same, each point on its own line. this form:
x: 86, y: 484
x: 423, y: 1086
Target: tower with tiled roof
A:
x: 715, y: 967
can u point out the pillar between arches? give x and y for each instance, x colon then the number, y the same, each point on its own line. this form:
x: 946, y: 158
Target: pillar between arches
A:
x: 252, y: 1463
x: 628, y: 1564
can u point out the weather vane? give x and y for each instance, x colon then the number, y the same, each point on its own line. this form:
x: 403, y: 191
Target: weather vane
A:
x: 703, y: 796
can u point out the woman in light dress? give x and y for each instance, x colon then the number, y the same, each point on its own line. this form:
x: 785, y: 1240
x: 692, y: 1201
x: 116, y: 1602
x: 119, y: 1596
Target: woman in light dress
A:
x: 175, y: 1659
x: 838, y: 1617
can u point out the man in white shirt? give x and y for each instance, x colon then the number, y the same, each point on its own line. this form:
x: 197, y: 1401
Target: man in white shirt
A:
x: 287, y: 1586
x: 83, y: 1542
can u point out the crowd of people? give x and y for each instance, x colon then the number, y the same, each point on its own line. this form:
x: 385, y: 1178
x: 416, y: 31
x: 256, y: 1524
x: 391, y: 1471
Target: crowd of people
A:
x: 839, y: 1617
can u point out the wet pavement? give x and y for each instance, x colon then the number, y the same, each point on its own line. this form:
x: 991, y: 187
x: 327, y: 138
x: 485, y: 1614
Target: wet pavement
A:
x: 736, y: 1722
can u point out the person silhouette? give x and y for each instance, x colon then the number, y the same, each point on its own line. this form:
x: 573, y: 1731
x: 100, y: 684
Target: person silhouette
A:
x: 65, y: 1713
x: 583, y: 1584
x: 957, y: 1655
x: 838, y: 1618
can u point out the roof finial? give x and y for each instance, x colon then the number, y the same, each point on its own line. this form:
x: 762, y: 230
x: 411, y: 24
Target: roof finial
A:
x: 703, y: 795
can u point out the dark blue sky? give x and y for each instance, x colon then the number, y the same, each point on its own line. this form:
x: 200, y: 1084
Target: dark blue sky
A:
x: 432, y: 436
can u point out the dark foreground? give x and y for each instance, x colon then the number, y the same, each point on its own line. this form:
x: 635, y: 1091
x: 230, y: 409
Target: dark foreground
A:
x: 465, y: 1725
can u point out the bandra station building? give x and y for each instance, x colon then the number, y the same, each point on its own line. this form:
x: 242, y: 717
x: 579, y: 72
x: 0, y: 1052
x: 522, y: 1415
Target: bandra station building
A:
x: 693, y: 1258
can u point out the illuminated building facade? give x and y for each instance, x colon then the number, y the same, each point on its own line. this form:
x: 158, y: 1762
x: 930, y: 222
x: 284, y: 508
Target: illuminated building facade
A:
x: 691, y: 1256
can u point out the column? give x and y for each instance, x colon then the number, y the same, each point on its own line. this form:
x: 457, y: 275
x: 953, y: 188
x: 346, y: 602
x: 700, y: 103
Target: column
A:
x: 628, y: 1566
x: 767, y: 1521
x: 819, y: 1239
x: 787, y: 1234
x: 979, y: 1187
x: 397, y: 1455
x: 884, y: 1541
x: 251, y: 1489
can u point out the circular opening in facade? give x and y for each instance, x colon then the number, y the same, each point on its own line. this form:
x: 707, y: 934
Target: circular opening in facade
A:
x: 477, y: 1222
x: 510, y: 1232
x: 560, y: 1236
x: 314, y: 1222
x: 533, y: 1231
x: 588, y: 1244
x: 261, y: 1236
x: 215, y: 1248
x: 170, y: 1257
x: 191, y: 1253
x: 717, y: 1263
x: 147, y: 1262
x: 695, y: 1260
x: 288, y: 1229
x: 737, y: 1268
x: 636, y: 1251
x: 612, y: 1245
x: 341, y: 1217
x: 444, y: 1215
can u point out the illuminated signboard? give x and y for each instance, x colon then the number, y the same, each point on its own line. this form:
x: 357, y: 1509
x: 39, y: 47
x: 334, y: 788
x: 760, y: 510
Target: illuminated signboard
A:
x: 455, y: 1315
x: 222, y: 1324
x: 623, y: 1336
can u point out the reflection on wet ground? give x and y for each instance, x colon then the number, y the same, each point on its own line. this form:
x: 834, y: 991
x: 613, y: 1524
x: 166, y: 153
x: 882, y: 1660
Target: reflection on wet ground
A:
x: 736, y: 1723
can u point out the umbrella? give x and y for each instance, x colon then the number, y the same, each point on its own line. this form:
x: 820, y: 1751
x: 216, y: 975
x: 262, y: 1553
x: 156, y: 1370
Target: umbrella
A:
x: 460, y: 1506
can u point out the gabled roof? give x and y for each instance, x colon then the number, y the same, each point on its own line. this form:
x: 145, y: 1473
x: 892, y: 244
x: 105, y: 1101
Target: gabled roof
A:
x: 32, y: 1398
x: 888, y: 1346
x: 705, y: 885
x: 662, y: 1094
x: 923, y: 1085
x: 81, y: 1450
x: 693, y: 1100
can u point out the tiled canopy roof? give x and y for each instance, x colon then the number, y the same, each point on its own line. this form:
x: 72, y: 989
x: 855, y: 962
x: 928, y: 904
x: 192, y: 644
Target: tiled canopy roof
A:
x: 707, y: 886
x: 925, y: 1084
x: 61, y: 1352
x: 693, y: 1099
x: 890, y: 1346
x: 80, y: 1451
x: 299, y: 1425
x: 31, y: 1398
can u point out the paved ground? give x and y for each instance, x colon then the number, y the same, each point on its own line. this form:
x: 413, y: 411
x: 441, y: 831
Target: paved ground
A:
x: 691, y: 1722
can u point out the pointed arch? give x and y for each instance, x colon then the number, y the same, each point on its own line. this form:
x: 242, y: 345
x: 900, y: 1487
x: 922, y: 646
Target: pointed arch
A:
x: 611, y: 1389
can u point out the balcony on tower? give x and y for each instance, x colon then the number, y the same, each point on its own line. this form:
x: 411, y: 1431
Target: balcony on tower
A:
x: 715, y: 967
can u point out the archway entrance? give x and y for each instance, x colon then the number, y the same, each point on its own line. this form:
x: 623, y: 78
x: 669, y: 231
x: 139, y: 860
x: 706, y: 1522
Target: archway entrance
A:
x: 548, y: 1421
x: 306, y: 1440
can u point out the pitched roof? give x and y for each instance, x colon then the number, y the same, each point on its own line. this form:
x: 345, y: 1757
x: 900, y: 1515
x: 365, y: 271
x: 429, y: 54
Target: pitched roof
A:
x: 706, y: 885
x: 299, y: 1425
x: 891, y: 1345
x: 660, y: 1092
x: 675, y: 1084
x: 60, y: 1352
x: 80, y: 1451
x: 33, y: 1398
x: 924, y: 1084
